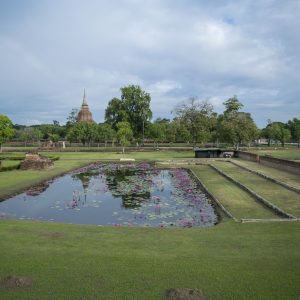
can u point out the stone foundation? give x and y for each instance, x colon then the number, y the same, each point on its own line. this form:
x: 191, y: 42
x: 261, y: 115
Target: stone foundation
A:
x: 36, y: 162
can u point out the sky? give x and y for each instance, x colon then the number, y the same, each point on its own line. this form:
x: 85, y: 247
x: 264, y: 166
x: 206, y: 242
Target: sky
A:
x: 50, y: 50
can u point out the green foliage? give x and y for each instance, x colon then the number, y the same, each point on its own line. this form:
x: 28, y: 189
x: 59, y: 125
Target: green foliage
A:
x: 54, y: 137
x: 50, y: 129
x: 72, y: 118
x: 157, y: 132
x: 137, y: 106
x: 134, y: 108
x: 294, y: 126
x: 6, y: 130
x: 85, y: 132
x: 196, y: 117
x: 105, y: 133
x: 232, y: 105
x: 236, y: 127
x: 277, y: 131
x: 115, y: 113
x: 8, y: 165
x: 124, y: 134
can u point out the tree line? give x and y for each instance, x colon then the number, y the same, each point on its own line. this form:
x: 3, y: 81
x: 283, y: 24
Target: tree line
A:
x: 128, y: 121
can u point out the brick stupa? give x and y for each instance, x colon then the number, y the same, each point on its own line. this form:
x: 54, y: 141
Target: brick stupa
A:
x: 84, y: 114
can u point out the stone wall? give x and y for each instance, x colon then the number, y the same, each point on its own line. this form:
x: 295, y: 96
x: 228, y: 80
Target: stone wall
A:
x: 281, y: 164
x: 248, y: 156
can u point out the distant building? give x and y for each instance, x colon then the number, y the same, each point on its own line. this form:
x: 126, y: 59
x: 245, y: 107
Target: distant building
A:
x: 84, y: 114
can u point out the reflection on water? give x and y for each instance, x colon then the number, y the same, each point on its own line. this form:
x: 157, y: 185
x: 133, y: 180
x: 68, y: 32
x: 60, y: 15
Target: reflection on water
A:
x: 119, y: 195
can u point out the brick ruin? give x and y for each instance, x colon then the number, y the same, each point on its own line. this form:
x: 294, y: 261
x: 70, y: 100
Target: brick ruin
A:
x: 35, y: 161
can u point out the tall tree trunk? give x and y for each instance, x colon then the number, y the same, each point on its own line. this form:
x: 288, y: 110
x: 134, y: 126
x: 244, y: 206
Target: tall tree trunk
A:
x: 0, y: 147
x: 123, y: 150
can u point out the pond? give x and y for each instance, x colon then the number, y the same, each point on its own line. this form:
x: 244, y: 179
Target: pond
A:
x: 116, y: 195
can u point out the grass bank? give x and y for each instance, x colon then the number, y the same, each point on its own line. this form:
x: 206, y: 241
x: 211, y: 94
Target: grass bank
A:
x: 286, y: 177
x: 284, y: 198
x: 239, y: 203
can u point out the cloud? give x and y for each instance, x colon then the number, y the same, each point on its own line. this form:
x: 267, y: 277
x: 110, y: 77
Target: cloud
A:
x: 51, y: 50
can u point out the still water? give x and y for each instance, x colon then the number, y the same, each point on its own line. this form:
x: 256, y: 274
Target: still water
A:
x: 116, y: 195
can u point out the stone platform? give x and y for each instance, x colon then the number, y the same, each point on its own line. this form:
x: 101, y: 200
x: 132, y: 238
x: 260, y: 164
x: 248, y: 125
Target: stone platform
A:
x: 36, y: 161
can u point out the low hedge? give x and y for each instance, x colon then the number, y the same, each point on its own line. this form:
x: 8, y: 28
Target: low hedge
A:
x: 3, y: 157
x: 10, y: 168
x: 53, y: 158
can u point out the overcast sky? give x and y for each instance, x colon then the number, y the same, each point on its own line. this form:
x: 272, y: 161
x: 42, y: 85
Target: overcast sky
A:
x: 174, y: 49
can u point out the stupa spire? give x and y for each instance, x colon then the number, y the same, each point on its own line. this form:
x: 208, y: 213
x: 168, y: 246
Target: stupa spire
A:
x: 84, y: 102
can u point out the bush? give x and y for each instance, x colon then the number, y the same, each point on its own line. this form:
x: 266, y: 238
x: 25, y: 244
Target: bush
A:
x: 10, y: 168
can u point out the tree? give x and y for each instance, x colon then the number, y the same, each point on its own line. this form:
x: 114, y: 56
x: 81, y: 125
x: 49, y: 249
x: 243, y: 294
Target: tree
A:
x: 85, y: 132
x: 182, y: 132
x: 277, y: 131
x: 115, y: 113
x: 105, y: 133
x: 72, y: 118
x: 294, y: 126
x: 124, y: 134
x: 137, y: 106
x: 158, y: 132
x: 48, y: 129
x: 30, y: 134
x: 6, y: 130
x: 232, y: 105
x: 196, y: 117
x: 234, y: 126
x: 133, y: 107
x: 54, y: 137
x: 267, y: 132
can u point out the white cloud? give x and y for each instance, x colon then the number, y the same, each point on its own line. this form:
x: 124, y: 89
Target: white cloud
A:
x: 51, y: 50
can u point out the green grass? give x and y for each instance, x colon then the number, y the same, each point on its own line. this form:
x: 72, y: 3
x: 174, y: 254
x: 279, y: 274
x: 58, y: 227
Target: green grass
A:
x: 286, y: 177
x: 290, y: 154
x: 236, y: 200
x: 9, y: 163
x: 285, y: 199
x: 228, y: 261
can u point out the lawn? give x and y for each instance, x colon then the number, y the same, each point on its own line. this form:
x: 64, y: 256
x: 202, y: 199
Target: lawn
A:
x: 228, y: 261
